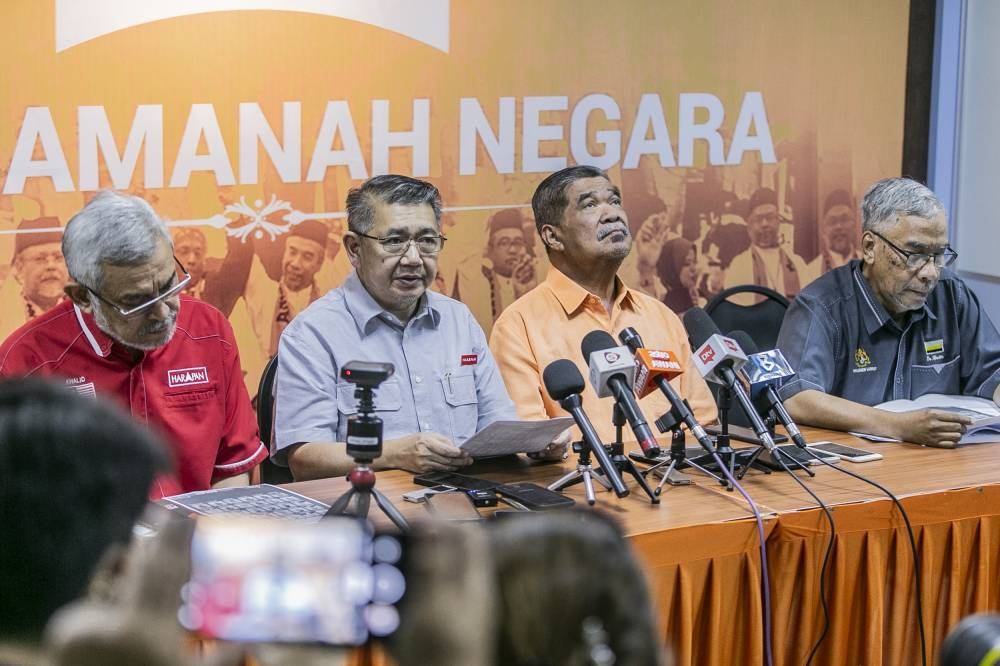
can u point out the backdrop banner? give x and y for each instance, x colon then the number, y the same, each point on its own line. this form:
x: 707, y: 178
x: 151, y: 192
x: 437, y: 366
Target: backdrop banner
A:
x: 741, y: 134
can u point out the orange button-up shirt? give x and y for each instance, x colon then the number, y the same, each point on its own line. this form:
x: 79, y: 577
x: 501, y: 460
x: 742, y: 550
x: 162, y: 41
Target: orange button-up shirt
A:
x: 549, y: 323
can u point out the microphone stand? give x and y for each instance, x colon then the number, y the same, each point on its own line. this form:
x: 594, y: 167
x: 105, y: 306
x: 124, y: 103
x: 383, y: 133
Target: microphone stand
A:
x: 584, y: 472
x: 616, y: 451
x: 670, y: 421
x: 727, y: 454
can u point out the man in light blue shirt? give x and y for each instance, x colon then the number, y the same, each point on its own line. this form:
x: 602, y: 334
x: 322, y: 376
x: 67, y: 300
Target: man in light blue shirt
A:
x: 446, y: 386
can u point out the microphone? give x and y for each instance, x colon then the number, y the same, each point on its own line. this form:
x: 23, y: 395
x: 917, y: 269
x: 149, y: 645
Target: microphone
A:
x: 564, y: 384
x: 717, y: 358
x: 612, y: 372
x: 654, y: 369
x: 764, y: 373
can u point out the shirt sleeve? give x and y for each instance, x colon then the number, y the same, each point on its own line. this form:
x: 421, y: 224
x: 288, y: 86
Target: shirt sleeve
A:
x: 240, y: 448
x: 519, y: 368
x: 491, y: 394
x: 808, y: 346
x: 305, y: 381
x: 980, y: 346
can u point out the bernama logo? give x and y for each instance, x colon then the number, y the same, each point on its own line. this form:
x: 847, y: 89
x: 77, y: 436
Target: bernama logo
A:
x: 79, y: 21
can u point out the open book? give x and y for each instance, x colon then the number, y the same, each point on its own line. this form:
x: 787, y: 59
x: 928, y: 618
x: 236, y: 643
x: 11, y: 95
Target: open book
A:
x: 986, y: 415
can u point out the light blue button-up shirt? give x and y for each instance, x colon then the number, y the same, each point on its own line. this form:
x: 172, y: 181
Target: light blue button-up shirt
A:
x: 446, y: 380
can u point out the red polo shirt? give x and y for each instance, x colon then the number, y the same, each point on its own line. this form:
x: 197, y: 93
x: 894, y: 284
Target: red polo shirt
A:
x: 190, y: 391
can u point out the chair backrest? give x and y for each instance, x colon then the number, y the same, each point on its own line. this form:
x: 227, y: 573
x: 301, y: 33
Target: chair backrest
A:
x: 269, y: 472
x: 761, y: 320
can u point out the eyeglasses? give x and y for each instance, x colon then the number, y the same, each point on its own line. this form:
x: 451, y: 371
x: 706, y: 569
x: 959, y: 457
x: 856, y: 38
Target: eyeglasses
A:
x: 917, y: 260
x: 183, y: 279
x: 507, y: 243
x: 42, y: 258
x: 427, y: 245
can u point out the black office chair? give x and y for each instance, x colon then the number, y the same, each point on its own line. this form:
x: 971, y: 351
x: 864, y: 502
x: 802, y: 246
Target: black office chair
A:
x: 761, y: 321
x: 269, y: 472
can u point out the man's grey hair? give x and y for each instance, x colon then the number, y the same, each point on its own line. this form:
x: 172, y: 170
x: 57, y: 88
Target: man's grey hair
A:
x: 115, y: 229
x: 388, y: 189
x: 887, y: 199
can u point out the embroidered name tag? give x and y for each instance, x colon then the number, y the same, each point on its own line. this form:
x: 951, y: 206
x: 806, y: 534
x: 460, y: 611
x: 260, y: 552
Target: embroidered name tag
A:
x: 187, y: 376
x: 470, y: 359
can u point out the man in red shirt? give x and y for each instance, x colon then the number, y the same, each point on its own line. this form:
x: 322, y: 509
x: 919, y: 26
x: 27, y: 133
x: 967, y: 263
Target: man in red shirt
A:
x: 127, y: 332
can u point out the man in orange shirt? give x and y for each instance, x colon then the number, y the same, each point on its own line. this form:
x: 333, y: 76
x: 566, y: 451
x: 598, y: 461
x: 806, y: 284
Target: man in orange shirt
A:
x: 580, y: 219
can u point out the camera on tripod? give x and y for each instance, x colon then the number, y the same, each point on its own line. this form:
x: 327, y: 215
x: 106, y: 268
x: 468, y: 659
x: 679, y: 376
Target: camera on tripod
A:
x: 364, y: 429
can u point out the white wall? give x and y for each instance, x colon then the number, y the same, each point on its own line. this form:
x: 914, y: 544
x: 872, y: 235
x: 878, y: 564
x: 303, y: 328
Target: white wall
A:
x: 965, y: 142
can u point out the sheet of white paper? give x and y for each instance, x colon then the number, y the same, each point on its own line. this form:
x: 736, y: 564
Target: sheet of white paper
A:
x: 503, y: 437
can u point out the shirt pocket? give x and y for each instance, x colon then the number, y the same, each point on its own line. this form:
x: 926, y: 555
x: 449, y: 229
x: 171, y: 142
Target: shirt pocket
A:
x: 387, y: 397
x: 463, y: 405
x: 944, y: 377
x: 190, y: 399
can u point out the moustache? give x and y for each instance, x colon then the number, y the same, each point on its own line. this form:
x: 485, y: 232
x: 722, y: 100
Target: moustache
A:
x: 609, y: 229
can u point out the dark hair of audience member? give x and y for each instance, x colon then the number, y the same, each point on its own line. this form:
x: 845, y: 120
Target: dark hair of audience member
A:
x: 74, y: 475
x: 570, y: 593
x: 975, y: 641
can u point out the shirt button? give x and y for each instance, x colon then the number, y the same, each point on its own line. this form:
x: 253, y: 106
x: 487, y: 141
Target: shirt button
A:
x: 417, y: 379
x: 427, y: 426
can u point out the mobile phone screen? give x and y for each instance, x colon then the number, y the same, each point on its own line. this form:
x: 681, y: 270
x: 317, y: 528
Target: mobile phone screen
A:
x: 260, y: 580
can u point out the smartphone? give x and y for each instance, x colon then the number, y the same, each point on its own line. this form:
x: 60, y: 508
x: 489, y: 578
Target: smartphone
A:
x: 743, y: 434
x: 454, y: 480
x: 534, y: 497
x: 454, y: 505
x: 260, y: 580
x: 797, y: 454
x: 418, y: 496
x: 848, y: 453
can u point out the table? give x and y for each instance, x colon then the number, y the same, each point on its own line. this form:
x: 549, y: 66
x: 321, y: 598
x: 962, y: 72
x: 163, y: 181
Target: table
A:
x: 700, y: 549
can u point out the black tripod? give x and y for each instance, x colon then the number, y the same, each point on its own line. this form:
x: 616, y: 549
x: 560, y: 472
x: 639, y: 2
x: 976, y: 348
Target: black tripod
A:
x: 737, y: 462
x: 364, y: 444
x: 584, y: 472
x: 616, y: 451
x: 678, y: 454
x: 362, y: 480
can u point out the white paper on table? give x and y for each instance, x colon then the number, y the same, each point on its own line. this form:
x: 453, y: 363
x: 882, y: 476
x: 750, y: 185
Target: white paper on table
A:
x: 504, y: 437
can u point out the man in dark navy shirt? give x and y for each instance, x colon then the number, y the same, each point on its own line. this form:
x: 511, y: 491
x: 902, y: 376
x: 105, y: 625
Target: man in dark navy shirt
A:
x: 894, y: 324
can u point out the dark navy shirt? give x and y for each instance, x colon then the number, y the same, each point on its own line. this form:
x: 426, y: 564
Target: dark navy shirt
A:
x: 841, y: 340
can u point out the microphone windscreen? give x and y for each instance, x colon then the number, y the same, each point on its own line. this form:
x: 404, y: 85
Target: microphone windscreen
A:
x: 562, y: 379
x: 630, y: 338
x: 699, y: 326
x: 596, y: 341
x: 745, y: 342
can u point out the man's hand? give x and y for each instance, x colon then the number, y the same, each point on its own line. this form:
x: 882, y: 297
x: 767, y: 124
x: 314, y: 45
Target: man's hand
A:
x: 524, y: 275
x: 932, y: 427
x: 424, y: 452
x: 556, y: 450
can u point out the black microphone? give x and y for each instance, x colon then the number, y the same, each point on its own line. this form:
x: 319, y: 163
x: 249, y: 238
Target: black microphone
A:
x: 716, y: 358
x: 630, y: 338
x: 564, y: 384
x: 764, y: 373
x: 611, y: 373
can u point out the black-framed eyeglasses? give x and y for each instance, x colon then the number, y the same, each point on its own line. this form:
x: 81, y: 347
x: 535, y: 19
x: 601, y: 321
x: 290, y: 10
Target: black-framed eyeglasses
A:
x: 183, y: 279
x: 917, y: 260
x: 427, y: 244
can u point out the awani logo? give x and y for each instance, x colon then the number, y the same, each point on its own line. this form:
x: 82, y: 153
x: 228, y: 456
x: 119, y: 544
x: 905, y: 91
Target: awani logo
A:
x: 861, y: 358
x: 187, y: 376
x: 707, y: 354
x: 79, y: 21
x: 611, y: 357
